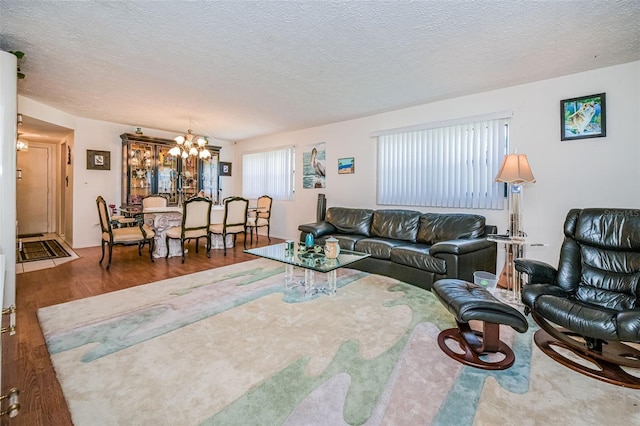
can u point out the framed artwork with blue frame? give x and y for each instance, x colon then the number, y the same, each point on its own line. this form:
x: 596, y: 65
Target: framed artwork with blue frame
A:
x: 583, y: 117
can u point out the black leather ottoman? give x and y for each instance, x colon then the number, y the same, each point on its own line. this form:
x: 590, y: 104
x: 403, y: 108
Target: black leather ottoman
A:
x: 468, y: 301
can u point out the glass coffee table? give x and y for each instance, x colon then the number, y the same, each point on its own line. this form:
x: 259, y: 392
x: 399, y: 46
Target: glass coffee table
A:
x: 311, y: 261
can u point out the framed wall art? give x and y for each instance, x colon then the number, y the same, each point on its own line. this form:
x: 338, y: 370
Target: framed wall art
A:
x: 583, y: 117
x: 225, y: 169
x: 98, y: 160
x: 346, y: 166
x: 313, y: 170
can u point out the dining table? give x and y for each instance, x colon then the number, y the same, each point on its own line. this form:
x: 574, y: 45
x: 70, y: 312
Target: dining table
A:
x: 163, y: 218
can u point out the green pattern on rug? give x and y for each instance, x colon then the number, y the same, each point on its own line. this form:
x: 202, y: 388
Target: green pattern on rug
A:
x: 368, y: 376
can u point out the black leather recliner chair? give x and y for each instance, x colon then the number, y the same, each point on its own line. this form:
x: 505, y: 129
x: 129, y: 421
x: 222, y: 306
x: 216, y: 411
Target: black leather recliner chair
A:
x: 590, y: 305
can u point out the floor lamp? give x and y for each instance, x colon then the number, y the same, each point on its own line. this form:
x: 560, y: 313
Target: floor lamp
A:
x: 514, y: 171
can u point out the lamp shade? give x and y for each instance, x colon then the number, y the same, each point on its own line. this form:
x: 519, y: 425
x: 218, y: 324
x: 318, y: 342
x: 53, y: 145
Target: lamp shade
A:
x: 515, y: 169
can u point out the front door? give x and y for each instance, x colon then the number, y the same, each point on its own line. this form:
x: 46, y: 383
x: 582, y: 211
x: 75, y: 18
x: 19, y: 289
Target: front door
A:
x: 32, y: 190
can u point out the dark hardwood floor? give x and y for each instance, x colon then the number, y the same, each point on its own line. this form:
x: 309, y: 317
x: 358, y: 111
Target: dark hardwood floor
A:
x: 25, y: 359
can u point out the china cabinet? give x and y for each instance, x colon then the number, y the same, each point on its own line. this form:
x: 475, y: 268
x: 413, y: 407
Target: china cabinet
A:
x: 148, y: 168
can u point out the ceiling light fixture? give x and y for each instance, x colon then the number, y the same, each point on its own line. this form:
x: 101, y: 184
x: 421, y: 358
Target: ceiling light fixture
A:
x: 22, y: 145
x: 190, y: 145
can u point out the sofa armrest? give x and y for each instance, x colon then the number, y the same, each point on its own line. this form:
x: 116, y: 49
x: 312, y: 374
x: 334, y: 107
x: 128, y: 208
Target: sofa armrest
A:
x: 461, y: 246
x: 317, y: 229
x: 538, y: 272
x: 463, y: 257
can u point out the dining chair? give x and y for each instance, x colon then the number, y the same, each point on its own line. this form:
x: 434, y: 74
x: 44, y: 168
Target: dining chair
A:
x: 234, y: 222
x: 196, y: 214
x: 134, y: 235
x: 261, y: 217
x: 155, y: 200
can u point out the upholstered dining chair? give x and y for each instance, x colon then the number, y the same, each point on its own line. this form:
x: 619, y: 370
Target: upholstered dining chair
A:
x: 196, y: 217
x: 132, y: 235
x: 234, y: 222
x: 155, y: 200
x: 260, y: 217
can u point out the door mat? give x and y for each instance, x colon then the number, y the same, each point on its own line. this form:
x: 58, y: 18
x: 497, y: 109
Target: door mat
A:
x: 30, y: 235
x: 40, y: 250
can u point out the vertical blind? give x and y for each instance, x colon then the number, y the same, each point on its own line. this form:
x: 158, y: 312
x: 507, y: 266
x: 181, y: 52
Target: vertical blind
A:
x: 269, y: 173
x: 450, y: 166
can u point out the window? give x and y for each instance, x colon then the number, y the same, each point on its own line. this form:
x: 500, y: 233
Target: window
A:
x: 444, y: 164
x: 269, y: 173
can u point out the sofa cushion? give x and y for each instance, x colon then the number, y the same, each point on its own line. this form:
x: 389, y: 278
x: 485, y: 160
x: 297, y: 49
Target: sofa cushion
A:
x: 350, y: 221
x: 379, y: 248
x: 395, y: 224
x: 417, y: 256
x: 436, y: 227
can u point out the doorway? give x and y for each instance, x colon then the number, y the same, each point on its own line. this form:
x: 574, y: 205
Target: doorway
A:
x: 33, y: 190
x: 44, y: 192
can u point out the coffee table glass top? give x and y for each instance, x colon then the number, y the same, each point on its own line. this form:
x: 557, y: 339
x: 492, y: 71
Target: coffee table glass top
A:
x: 316, y: 261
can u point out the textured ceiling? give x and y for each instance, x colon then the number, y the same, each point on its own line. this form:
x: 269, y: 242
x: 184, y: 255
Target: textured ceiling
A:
x: 239, y: 69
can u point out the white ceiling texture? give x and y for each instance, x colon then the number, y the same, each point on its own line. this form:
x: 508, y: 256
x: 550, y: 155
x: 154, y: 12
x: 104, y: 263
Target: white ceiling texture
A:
x: 239, y: 69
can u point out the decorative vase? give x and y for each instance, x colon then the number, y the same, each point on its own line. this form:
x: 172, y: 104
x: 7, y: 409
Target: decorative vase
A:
x: 309, y: 242
x: 332, y: 248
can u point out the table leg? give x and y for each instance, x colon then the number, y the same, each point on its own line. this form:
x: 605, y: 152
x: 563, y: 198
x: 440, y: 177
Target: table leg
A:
x: 331, y: 283
x: 288, y: 277
x: 309, y: 284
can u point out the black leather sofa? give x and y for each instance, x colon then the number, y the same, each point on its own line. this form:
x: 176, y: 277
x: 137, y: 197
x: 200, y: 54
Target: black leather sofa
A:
x: 414, y: 247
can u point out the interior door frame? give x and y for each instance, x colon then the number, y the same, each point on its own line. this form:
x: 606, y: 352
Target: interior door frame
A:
x: 51, y: 178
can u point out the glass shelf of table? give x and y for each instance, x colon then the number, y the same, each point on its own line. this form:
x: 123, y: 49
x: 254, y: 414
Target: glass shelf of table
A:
x: 311, y: 261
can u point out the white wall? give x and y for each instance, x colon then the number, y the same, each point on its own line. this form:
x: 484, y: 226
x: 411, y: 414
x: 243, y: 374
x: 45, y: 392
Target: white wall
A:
x: 88, y: 184
x: 600, y: 172
x: 8, y: 125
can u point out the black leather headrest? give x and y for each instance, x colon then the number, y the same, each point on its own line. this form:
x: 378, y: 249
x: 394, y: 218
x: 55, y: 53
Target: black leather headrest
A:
x: 607, y: 228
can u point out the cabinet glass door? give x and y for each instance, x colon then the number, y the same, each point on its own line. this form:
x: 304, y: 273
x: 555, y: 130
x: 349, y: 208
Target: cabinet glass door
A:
x: 167, y: 175
x: 141, y: 161
x: 189, y: 177
x: 209, y: 176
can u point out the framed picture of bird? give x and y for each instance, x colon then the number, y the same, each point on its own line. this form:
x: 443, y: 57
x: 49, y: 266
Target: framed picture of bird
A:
x: 313, y: 170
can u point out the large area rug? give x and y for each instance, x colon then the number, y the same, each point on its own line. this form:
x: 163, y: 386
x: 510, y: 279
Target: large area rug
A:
x: 228, y: 347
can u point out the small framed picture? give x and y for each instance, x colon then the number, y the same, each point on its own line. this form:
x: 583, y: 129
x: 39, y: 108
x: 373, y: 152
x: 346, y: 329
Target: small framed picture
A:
x: 98, y: 160
x: 346, y: 166
x: 225, y: 169
x: 583, y: 117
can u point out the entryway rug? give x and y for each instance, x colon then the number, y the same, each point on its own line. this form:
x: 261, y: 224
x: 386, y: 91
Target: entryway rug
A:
x: 41, y: 250
x: 228, y: 347
x: 30, y: 235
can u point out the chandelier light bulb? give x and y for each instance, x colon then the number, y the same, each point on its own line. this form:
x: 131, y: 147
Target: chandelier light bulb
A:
x: 190, y: 145
x: 22, y: 145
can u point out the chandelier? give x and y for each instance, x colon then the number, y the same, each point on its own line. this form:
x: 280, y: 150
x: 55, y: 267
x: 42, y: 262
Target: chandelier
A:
x: 190, y: 145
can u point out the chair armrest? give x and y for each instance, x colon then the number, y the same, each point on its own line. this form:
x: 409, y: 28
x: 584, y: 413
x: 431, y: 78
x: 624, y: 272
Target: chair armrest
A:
x: 538, y: 272
x: 461, y: 246
x: 318, y: 229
